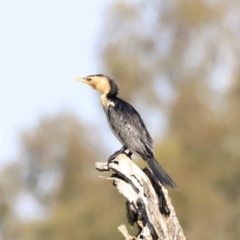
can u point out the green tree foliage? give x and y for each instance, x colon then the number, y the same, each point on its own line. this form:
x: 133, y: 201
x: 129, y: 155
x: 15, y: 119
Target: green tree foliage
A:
x: 57, y: 169
x: 191, y: 47
x: 11, y: 185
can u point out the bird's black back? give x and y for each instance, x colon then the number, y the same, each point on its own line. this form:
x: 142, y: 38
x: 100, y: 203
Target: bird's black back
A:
x: 128, y: 125
x: 130, y: 129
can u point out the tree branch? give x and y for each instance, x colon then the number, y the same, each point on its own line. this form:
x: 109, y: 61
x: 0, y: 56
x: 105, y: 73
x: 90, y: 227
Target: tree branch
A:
x: 148, y: 204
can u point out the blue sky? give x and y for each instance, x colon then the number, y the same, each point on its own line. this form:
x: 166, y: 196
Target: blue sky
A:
x: 43, y: 45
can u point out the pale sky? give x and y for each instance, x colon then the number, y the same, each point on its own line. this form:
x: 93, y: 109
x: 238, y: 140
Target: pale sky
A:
x: 43, y: 45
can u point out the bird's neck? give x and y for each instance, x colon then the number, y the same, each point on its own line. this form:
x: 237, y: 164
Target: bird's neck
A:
x: 106, y: 100
x: 113, y: 89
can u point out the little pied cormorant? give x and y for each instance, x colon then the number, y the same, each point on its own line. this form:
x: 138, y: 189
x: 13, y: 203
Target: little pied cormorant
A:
x: 127, y: 125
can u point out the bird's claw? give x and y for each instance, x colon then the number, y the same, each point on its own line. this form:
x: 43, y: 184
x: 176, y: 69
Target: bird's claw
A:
x: 112, y: 157
x: 129, y: 154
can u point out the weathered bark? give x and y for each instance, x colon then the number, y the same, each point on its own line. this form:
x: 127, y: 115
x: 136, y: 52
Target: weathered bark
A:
x: 148, y: 204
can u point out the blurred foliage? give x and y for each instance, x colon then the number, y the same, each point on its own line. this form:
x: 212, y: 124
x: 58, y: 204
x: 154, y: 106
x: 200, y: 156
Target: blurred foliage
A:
x: 179, y: 57
x: 57, y: 168
x: 190, y: 50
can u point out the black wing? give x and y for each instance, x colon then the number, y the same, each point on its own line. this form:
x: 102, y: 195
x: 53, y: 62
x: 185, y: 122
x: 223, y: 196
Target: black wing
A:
x: 128, y: 125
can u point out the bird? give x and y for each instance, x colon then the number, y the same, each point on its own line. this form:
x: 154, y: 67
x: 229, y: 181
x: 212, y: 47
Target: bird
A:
x: 127, y: 125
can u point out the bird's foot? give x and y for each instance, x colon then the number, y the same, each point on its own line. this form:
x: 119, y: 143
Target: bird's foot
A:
x: 129, y: 154
x: 113, y: 156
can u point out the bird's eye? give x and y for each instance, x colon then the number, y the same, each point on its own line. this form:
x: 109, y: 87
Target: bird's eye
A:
x: 89, y: 79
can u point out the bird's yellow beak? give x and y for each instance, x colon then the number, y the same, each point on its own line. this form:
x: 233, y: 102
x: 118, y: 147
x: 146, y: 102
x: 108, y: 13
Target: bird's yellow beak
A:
x: 79, y: 79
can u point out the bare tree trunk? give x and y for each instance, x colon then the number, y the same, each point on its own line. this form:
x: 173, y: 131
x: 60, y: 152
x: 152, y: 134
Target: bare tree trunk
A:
x: 148, y: 204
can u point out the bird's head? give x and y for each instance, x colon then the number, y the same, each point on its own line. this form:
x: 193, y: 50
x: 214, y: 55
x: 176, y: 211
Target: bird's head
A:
x: 101, y: 83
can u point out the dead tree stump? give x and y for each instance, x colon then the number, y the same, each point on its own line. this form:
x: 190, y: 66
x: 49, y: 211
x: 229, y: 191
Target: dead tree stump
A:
x: 148, y: 204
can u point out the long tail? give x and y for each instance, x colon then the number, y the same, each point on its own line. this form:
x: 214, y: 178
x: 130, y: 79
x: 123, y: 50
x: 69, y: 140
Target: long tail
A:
x: 159, y: 172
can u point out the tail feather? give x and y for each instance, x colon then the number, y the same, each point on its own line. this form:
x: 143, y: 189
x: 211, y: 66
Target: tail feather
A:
x: 159, y: 172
